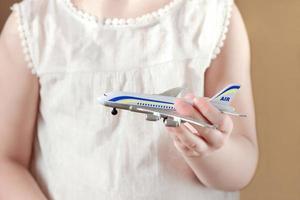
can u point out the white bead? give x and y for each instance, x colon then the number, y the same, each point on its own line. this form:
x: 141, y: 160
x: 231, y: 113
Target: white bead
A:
x: 30, y: 65
x: 148, y: 15
x: 27, y: 58
x: 121, y: 21
x: 12, y: 7
x: 167, y: 7
x: 33, y: 71
x: 25, y: 51
x: 144, y: 18
x: 221, y: 44
x: 129, y: 21
x: 20, y: 28
x: 23, y: 43
x: 93, y: 18
x: 223, y: 37
x: 69, y: 2
x: 227, y: 23
x: 171, y: 3
x: 108, y: 21
x: 160, y: 12
x: 139, y: 19
x: 80, y: 12
x: 154, y: 14
x: 70, y: 5
x: 115, y: 21
x: 86, y: 15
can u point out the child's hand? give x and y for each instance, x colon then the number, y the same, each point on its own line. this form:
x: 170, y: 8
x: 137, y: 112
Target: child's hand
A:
x: 195, y: 140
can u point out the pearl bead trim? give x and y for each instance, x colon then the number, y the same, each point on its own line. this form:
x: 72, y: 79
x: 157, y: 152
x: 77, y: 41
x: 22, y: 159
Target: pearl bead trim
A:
x: 224, y: 28
x: 24, y: 40
x: 148, y: 17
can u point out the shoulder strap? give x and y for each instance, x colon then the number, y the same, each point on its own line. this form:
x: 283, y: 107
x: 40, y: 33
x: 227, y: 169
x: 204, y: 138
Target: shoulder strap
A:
x: 215, y: 27
x: 32, y: 20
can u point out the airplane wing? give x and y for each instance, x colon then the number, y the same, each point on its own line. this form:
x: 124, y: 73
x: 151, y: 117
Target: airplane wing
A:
x: 175, y: 115
x: 174, y: 92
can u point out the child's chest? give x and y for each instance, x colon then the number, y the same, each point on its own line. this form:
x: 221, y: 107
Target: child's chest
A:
x: 120, y: 8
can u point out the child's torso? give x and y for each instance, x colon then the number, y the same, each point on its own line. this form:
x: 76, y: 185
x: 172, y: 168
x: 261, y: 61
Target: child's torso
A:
x: 81, y: 150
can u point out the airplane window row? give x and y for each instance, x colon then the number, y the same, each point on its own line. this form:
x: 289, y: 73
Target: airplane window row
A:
x: 153, y: 105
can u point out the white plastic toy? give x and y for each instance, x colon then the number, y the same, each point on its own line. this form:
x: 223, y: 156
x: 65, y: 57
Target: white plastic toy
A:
x: 162, y: 105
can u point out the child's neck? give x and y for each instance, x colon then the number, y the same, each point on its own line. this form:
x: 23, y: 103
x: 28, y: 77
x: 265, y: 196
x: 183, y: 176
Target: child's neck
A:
x: 119, y: 8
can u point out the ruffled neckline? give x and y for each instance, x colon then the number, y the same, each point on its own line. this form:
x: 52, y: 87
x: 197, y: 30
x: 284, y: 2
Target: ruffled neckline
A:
x: 144, y: 19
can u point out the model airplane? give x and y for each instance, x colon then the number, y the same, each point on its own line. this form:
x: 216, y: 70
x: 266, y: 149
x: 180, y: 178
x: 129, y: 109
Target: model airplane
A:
x: 159, y: 106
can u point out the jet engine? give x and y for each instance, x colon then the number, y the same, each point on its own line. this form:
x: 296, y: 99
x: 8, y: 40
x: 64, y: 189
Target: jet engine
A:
x: 151, y: 117
x: 171, y: 122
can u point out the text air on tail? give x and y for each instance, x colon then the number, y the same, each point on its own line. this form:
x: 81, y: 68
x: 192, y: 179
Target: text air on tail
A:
x: 223, y: 99
x: 226, y: 95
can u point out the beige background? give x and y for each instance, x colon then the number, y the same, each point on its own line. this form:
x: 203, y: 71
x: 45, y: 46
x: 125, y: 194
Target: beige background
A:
x: 274, y: 30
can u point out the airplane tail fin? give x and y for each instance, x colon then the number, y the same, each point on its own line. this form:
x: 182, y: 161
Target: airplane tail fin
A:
x: 225, y: 96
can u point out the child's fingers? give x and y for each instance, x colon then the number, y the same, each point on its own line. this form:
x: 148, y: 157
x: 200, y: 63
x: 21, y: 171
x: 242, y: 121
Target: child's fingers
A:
x: 188, y: 139
x: 184, y: 149
x: 214, y: 138
x: 211, y: 113
x: 187, y: 109
x: 189, y: 96
x: 178, y: 134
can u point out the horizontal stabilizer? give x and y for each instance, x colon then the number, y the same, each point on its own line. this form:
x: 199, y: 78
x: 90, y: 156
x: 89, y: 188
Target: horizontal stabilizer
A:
x: 234, y: 113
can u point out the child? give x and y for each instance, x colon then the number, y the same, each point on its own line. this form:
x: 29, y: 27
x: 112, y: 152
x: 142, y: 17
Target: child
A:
x: 58, y: 143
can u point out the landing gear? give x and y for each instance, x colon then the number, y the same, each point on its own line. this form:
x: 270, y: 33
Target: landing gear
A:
x: 114, y: 111
x: 164, y: 119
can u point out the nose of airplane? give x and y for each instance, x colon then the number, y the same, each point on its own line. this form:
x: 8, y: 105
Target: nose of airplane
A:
x: 102, y: 99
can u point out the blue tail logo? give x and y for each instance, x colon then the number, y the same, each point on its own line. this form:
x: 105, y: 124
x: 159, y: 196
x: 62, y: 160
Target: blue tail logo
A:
x: 226, y: 95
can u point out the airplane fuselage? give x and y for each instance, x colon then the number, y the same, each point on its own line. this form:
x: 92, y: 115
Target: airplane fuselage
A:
x: 129, y: 101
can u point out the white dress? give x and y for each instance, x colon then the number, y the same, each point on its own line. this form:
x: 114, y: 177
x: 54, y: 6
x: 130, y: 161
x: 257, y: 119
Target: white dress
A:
x: 82, y: 151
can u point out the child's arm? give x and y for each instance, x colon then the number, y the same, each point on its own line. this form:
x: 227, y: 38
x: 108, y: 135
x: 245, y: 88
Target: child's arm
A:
x: 19, y: 93
x: 225, y: 158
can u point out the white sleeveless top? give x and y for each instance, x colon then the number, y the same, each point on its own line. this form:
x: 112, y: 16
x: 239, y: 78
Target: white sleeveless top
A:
x: 81, y: 150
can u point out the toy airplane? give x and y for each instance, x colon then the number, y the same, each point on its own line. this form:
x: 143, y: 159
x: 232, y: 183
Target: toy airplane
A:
x: 159, y: 106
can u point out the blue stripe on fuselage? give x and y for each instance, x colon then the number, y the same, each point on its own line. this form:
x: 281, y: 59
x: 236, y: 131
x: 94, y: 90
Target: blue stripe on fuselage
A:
x: 115, y: 99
